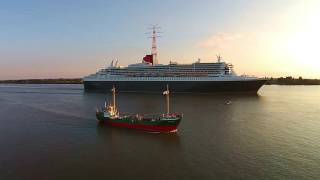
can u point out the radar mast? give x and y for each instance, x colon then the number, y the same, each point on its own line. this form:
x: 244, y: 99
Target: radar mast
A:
x: 154, y: 37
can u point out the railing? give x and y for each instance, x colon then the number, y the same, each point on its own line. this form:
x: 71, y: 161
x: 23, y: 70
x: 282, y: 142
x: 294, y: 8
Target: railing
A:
x: 209, y: 78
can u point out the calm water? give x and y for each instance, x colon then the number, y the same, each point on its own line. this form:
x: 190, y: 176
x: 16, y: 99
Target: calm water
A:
x: 50, y: 132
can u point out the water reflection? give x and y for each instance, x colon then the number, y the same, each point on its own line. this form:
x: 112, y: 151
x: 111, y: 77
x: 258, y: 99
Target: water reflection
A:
x: 274, y: 135
x: 114, y: 134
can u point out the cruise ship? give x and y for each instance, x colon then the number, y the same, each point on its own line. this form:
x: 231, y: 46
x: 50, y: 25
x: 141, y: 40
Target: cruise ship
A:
x: 150, y: 76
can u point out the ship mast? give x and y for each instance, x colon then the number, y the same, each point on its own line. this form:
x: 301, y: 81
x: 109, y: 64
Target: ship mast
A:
x: 154, y: 50
x: 219, y: 58
x: 166, y: 92
x: 168, y: 100
x: 154, y: 45
x: 114, y: 96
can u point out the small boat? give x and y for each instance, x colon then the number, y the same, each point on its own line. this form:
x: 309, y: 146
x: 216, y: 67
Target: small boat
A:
x: 167, y: 122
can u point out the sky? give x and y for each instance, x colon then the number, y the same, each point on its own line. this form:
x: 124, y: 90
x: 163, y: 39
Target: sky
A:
x: 74, y: 38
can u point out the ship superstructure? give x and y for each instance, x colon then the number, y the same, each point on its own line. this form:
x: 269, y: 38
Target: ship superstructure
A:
x: 149, y: 75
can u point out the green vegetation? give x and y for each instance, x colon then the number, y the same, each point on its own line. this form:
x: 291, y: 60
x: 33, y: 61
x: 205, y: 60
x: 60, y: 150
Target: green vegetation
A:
x: 43, y: 81
x: 293, y: 81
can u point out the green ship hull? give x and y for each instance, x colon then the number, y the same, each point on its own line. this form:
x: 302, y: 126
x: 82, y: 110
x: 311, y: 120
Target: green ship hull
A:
x: 155, y: 123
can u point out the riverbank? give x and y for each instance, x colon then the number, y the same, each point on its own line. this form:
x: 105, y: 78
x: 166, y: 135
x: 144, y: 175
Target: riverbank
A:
x: 292, y: 81
x: 43, y: 81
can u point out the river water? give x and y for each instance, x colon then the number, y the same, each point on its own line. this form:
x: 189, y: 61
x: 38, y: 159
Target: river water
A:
x: 50, y: 132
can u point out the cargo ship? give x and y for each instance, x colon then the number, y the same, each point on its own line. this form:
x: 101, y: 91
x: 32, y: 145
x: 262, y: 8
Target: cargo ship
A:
x: 150, y: 76
x: 167, y: 122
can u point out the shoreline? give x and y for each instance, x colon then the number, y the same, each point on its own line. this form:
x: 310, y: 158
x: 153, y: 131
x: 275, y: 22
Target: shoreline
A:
x: 292, y: 81
x: 44, y: 81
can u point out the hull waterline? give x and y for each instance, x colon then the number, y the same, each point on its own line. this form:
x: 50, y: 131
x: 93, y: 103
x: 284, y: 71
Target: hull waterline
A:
x: 251, y: 86
x: 149, y: 128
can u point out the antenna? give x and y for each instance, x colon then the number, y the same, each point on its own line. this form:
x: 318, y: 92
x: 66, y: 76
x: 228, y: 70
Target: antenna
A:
x: 111, y: 64
x: 116, y: 64
x: 219, y: 58
x: 154, y: 36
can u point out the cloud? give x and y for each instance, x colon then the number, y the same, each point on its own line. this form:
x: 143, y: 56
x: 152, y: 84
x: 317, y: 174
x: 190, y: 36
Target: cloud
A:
x: 220, y: 40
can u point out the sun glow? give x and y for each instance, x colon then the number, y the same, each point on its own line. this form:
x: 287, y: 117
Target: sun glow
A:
x: 303, y: 44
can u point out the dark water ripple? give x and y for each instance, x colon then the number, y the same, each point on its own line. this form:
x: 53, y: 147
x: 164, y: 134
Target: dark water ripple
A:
x: 50, y: 132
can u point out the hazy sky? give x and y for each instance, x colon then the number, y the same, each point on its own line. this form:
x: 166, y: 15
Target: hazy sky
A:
x: 51, y: 39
